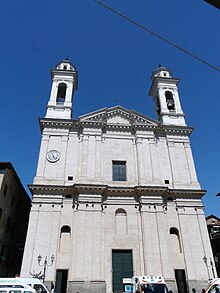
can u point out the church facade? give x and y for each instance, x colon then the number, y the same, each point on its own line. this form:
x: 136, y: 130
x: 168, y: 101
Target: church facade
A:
x: 116, y: 194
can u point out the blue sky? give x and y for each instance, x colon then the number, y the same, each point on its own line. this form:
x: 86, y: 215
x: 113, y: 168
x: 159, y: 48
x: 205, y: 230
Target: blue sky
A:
x: 114, y: 60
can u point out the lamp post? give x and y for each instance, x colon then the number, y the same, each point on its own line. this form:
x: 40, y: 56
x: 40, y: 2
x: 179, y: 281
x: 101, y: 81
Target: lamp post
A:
x: 45, y: 264
x: 211, y: 265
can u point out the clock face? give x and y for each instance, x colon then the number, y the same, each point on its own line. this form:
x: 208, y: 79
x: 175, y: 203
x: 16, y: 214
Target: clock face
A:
x: 53, y: 156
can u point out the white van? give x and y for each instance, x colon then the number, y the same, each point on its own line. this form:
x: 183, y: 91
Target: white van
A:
x: 147, y: 284
x: 16, y: 288
x: 214, y: 286
x: 33, y: 282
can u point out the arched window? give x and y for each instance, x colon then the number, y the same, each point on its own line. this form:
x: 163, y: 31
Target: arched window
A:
x: 174, y: 230
x: 120, y: 221
x: 65, y: 229
x: 120, y: 212
x: 175, y: 240
x: 61, y: 93
x: 170, y: 101
x: 65, y: 236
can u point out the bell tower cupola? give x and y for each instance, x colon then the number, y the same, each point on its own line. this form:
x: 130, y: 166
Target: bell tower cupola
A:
x: 164, y: 91
x: 64, y: 84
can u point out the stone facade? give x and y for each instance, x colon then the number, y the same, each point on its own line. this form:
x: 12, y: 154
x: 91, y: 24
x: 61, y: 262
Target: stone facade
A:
x: 14, y: 212
x: 213, y: 225
x: 116, y: 181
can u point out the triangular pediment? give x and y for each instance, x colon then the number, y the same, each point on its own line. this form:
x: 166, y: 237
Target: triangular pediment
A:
x: 117, y: 116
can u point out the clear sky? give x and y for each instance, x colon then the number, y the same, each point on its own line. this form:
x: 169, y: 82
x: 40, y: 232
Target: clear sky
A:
x: 115, y: 60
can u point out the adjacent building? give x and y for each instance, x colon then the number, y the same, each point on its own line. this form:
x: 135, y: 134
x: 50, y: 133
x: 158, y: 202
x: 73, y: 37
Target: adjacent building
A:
x: 116, y: 194
x: 213, y: 224
x: 14, y: 215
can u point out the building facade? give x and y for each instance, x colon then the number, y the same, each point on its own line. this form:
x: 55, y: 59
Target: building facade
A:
x: 116, y: 194
x: 14, y: 213
x: 213, y: 225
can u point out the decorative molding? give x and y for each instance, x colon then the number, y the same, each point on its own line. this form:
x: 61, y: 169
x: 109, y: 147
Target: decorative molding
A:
x: 56, y: 123
x: 104, y: 190
x: 99, y: 120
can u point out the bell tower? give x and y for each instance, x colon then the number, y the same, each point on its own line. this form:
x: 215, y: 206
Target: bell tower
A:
x: 164, y: 91
x: 64, y: 84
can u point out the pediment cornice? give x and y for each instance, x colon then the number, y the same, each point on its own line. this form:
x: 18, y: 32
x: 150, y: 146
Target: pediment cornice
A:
x: 117, y: 117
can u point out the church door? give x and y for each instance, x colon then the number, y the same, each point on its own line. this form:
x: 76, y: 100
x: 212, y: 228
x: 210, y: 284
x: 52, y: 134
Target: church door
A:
x: 122, y: 267
x: 61, y: 281
x: 180, y: 277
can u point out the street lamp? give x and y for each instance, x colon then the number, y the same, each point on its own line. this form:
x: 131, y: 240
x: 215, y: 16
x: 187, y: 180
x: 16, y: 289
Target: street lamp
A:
x: 45, y: 264
x: 211, y: 265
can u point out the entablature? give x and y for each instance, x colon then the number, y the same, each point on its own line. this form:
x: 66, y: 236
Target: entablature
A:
x: 143, y: 192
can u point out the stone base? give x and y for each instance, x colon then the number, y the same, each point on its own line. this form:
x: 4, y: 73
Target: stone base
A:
x: 197, y: 284
x: 171, y: 285
x: 86, y: 287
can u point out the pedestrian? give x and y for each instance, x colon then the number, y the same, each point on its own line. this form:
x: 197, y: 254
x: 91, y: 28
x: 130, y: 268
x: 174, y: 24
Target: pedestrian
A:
x: 217, y: 290
x: 193, y: 290
x: 51, y: 287
x: 203, y: 290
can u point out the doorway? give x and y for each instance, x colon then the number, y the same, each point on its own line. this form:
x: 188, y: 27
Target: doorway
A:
x: 180, y: 277
x: 61, y: 281
x: 122, y: 267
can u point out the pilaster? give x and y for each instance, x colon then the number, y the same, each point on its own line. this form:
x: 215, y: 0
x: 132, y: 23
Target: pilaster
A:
x: 155, y: 161
x: 42, y: 158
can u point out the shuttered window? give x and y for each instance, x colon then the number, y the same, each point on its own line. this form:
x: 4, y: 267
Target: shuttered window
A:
x: 119, y: 170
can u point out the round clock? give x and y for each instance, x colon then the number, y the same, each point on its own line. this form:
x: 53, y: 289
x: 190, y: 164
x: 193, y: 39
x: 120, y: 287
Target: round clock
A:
x: 53, y: 156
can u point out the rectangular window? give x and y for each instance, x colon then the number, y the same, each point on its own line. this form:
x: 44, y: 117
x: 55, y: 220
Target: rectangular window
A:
x: 119, y: 170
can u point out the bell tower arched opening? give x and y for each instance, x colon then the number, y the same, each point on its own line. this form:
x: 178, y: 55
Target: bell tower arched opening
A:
x: 61, y: 93
x: 170, y: 101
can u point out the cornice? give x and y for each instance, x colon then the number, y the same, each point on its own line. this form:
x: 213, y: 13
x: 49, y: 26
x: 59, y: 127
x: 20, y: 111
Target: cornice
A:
x: 80, y: 125
x: 174, y: 130
x: 188, y: 192
x: 49, y: 189
x: 83, y: 188
x: 91, y: 124
x: 159, y: 79
x: 99, y: 120
x: 106, y: 190
x: 56, y: 123
x: 116, y: 127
